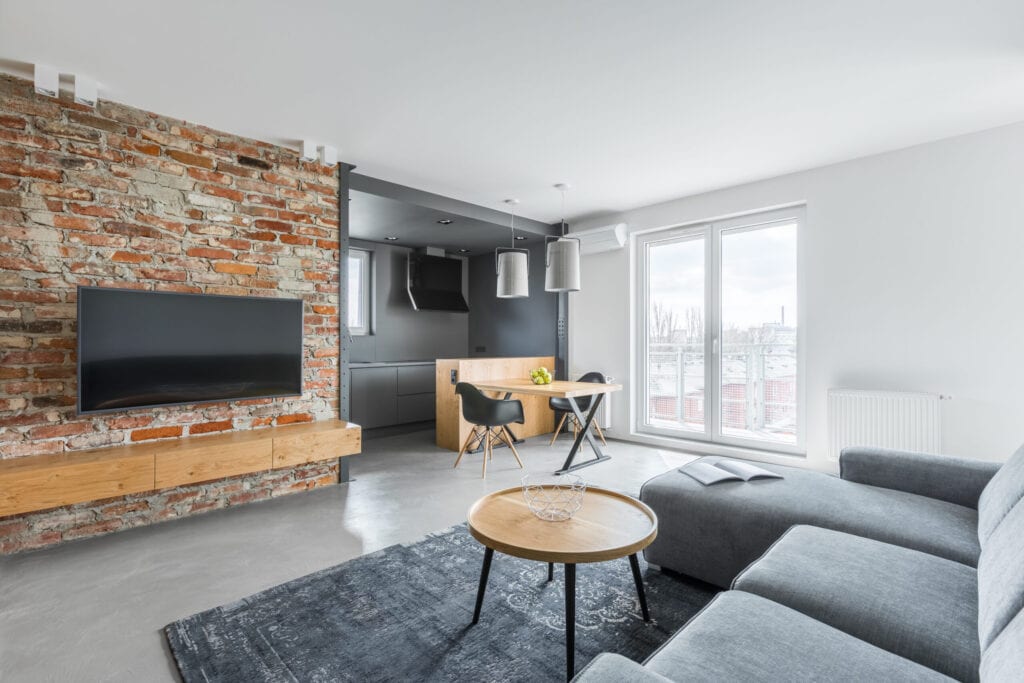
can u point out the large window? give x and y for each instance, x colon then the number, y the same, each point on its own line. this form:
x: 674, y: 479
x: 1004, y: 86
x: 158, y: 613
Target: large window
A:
x: 359, y: 291
x: 718, y: 354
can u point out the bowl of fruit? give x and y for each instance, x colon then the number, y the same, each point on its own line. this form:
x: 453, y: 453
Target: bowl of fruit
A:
x: 540, y: 376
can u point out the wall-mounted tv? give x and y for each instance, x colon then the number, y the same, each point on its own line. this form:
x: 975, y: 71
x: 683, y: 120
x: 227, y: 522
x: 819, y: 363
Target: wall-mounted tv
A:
x: 435, y: 283
x: 142, y: 349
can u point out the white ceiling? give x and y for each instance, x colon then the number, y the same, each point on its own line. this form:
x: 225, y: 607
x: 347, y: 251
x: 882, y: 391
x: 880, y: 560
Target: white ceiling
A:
x: 630, y: 102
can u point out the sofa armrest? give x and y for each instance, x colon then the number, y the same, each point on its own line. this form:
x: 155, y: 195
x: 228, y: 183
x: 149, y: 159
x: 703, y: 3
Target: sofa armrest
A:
x: 943, y: 477
x: 612, y: 668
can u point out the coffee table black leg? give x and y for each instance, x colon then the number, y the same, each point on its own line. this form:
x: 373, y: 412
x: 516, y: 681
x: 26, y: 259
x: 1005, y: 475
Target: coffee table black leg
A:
x: 551, y: 571
x: 488, y: 554
x: 634, y: 564
x: 570, y: 621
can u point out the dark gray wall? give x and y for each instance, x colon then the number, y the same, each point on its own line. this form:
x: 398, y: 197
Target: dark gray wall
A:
x: 511, y: 327
x: 399, y: 332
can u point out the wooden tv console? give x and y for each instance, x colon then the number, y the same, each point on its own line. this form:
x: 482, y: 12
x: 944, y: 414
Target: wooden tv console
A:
x: 51, y: 481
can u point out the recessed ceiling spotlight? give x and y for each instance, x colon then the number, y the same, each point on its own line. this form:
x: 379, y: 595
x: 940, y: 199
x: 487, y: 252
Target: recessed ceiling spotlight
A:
x: 391, y: 239
x: 463, y: 251
x: 519, y: 237
x: 446, y: 221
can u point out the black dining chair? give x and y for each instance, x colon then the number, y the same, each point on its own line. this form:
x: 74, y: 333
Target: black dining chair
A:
x: 489, y: 417
x: 583, y: 402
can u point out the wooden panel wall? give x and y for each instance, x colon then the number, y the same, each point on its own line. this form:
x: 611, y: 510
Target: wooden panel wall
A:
x: 452, y: 430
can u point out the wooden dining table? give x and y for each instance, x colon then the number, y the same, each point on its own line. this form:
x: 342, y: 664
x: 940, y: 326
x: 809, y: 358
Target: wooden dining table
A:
x: 569, y: 391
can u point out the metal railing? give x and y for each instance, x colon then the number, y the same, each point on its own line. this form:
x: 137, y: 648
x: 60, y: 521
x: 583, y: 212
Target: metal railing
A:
x: 758, y: 386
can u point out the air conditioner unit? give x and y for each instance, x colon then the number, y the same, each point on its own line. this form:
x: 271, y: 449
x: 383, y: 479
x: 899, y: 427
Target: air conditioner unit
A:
x: 605, y: 238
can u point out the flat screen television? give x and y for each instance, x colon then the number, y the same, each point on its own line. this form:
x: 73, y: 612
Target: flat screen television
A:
x: 142, y: 349
x: 435, y: 283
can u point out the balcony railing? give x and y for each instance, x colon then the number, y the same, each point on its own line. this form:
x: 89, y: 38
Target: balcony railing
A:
x: 758, y: 388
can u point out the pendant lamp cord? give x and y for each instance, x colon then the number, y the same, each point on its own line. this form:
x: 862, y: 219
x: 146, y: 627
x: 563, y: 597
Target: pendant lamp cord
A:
x: 562, y: 190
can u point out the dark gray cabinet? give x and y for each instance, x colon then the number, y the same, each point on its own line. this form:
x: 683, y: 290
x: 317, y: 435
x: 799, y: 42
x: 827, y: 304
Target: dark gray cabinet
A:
x: 385, y: 395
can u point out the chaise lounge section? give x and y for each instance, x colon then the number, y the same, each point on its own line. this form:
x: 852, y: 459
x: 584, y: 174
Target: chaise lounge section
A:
x: 826, y: 603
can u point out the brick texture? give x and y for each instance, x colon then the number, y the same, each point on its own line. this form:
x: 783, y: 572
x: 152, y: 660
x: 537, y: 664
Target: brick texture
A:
x: 119, y: 197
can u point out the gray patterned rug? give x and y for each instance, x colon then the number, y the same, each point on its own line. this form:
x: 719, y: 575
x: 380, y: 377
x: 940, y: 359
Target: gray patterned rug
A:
x: 403, y: 613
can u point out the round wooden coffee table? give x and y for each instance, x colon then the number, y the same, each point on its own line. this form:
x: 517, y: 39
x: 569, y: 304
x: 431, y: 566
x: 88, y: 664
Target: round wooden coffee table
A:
x: 608, y: 526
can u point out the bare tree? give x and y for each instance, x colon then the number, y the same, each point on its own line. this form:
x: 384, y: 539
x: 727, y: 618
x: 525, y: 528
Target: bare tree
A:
x: 662, y: 323
x: 694, y: 324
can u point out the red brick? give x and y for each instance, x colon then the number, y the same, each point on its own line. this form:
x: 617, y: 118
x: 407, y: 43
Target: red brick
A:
x: 62, y: 191
x: 26, y: 171
x: 232, y: 267
x: 177, y: 227
x: 156, y: 433
x: 190, y: 159
x: 296, y: 417
x: 161, y: 274
x: 54, y: 372
x: 224, y: 192
x: 263, y: 236
x: 74, y: 223
x: 53, y: 431
x: 207, y: 427
x: 122, y: 422
x: 278, y: 179
x: 209, y: 176
x: 15, y: 122
x: 205, y: 252
x: 92, y: 210
x: 33, y: 357
x: 28, y: 140
x: 93, y: 529
x: 130, y: 257
x: 276, y: 226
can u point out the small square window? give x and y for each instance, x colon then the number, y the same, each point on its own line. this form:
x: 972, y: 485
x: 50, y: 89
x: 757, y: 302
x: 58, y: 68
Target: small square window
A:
x: 359, y: 287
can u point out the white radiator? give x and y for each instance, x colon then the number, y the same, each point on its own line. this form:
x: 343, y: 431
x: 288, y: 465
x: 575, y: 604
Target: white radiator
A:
x: 886, y: 419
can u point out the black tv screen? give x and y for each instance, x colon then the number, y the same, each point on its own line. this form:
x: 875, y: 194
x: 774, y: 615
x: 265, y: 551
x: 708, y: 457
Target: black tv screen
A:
x: 139, y: 349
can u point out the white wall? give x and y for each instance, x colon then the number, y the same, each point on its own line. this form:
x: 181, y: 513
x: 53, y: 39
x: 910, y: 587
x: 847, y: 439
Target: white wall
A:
x: 912, y: 268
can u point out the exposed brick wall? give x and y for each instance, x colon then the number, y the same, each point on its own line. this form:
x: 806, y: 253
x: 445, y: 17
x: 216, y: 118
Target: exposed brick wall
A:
x: 119, y: 197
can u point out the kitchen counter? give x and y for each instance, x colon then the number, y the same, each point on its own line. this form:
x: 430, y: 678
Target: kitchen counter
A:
x: 390, y: 364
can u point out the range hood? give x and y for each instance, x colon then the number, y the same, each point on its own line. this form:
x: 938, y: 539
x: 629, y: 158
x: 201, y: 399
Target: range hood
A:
x: 435, y: 283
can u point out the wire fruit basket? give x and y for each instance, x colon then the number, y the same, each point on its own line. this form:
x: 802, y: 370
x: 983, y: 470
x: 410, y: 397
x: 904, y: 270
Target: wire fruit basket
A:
x: 554, y: 499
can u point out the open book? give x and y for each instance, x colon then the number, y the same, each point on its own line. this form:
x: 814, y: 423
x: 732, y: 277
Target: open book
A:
x: 716, y: 472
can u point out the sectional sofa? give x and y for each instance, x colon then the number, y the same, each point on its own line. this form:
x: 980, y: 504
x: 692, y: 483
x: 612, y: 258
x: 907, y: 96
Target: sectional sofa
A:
x: 907, y: 567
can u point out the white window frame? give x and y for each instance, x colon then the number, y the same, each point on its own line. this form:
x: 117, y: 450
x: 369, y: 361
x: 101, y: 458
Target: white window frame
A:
x: 711, y: 231
x: 364, y: 325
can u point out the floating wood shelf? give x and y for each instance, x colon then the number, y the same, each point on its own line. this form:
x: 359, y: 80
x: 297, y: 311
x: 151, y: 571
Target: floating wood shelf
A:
x: 50, y: 481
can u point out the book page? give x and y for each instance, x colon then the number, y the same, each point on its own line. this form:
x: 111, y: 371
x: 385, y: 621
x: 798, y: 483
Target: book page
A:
x: 746, y: 471
x: 707, y: 473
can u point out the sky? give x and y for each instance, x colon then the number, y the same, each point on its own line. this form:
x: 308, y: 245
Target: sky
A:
x: 758, y: 276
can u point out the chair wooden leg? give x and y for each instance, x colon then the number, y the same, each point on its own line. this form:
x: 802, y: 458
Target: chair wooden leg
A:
x: 465, y: 447
x: 487, y: 453
x: 558, y: 429
x: 600, y: 433
x: 508, y: 439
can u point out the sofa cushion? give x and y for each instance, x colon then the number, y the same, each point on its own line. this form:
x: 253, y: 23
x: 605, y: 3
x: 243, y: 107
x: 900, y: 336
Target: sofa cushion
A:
x: 612, y: 668
x: 713, y: 532
x: 913, y: 604
x: 1001, y: 494
x: 743, y: 637
x: 1003, y: 661
x: 1001, y: 576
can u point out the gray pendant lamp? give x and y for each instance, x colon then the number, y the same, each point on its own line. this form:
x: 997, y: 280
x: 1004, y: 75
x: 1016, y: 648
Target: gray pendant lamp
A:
x: 512, y: 265
x: 562, y: 258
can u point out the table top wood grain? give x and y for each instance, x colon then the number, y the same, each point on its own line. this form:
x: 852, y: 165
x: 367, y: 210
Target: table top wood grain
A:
x: 609, y: 525
x: 557, y: 388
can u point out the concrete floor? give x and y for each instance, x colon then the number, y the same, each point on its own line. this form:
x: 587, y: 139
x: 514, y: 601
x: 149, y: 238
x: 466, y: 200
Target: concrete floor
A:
x: 93, y: 610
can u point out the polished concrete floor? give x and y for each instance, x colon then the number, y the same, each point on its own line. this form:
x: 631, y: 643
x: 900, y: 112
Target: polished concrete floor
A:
x: 93, y: 610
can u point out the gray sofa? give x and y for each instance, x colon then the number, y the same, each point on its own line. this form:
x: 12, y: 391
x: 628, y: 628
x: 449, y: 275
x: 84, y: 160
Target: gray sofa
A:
x: 907, y: 567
